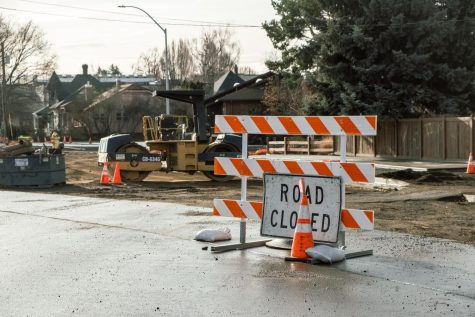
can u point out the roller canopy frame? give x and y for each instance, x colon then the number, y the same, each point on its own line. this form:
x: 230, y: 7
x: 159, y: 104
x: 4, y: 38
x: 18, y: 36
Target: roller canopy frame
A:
x: 196, y: 99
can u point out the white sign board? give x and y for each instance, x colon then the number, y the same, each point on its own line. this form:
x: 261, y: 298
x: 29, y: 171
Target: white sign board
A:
x: 282, y: 202
x: 21, y: 162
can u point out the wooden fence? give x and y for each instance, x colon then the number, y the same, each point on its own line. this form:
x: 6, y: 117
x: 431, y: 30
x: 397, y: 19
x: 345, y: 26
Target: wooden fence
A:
x: 442, y: 138
x: 308, y: 146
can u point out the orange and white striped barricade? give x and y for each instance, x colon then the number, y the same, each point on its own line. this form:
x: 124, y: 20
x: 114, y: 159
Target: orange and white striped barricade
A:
x: 245, y: 167
x: 350, y: 218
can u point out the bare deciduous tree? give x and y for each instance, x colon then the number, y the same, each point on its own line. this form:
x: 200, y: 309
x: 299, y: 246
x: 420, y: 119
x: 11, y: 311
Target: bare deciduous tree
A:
x: 281, y: 98
x: 181, y: 61
x: 28, y: 54
x: 203, y: 59
x: 149, y: 63
x: 246, y: 70
x: 215, y: 53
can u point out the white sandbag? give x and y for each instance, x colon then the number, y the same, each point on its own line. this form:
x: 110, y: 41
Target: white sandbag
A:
x: 326, y: 254
x: 213, y: 235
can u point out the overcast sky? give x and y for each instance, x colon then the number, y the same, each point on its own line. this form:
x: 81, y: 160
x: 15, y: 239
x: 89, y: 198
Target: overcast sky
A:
x: 95, y: 42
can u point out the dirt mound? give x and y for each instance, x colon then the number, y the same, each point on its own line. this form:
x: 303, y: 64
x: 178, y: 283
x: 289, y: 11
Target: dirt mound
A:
x: 421, y: 177
x: 428, y: 178
x: 404, y: 175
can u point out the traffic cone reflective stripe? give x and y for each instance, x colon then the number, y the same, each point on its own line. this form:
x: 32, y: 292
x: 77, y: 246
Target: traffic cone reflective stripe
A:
x: 116, y: 180
x: 105, y: 175
x: 470, y: 166
x: 302, y: 189
x: 303, y: 238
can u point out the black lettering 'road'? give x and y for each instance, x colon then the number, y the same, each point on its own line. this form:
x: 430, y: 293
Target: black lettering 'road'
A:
x: 283, y: 192
x: 296, y: 194
x: 318, y: 195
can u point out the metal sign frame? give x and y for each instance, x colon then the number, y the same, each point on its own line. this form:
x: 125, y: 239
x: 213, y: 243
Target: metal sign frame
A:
x: 304, y: 176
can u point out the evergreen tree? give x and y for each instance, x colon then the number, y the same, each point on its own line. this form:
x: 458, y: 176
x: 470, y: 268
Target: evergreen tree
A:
x: 101, y: 72
x: 114, y: 70
x: 390, y: 57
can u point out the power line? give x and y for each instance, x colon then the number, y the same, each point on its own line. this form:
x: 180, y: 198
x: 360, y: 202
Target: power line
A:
x: 123, y: 13
x: 129, y: 21
x: 199, y: 23
x: 72, y: 16
x: 137, y: 15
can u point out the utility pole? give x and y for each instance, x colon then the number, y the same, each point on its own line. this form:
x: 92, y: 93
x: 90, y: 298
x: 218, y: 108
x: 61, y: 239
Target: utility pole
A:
x: 167, y: 71
x: 4, y: 81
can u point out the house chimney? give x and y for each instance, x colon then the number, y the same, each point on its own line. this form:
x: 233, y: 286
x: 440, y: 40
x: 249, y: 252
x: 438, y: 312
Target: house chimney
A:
x: 84, y: 69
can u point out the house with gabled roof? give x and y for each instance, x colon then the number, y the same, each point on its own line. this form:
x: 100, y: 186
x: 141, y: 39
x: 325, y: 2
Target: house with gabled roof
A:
x: 58, y: 89
x: 97, y: 108
x: 238, y: 94
x: 120, y: 110
x: 65, y: 96
x: 226, y: 81
x: 59, y: 116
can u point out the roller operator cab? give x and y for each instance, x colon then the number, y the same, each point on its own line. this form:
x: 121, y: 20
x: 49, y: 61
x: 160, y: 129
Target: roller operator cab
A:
x: 171, y: 143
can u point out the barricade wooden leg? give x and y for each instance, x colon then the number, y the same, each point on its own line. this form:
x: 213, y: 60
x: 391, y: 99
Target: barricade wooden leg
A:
x: 242, y: 231
x: 342, y: 240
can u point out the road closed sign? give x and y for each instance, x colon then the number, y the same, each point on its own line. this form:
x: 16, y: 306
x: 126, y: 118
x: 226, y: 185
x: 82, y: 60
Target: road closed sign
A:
x: 282, y: 201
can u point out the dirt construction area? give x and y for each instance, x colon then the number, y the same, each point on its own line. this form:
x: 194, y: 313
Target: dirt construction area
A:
x: 432, y: 205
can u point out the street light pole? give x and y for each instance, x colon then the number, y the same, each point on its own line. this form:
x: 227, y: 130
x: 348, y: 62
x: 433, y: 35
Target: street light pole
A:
x: 4, y: 111
x: 167, y: 60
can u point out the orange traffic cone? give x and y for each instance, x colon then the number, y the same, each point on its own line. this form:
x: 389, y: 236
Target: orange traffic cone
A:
x: 470, y: 167
x: 303, y: 238
x: 105, y: 175
x: 70, y: 140
x: 117, y: 180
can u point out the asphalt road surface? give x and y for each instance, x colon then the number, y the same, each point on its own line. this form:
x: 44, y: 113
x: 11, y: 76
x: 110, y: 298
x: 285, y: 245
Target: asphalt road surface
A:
x: 71, y: 255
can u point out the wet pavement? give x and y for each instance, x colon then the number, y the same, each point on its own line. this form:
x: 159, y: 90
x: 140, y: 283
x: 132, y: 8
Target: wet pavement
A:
x: 66, y: 255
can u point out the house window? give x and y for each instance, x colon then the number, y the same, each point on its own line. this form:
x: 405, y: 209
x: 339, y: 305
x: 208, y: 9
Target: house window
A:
x: 100, y: 117
x: 77, y: 124
x: 121, y: 116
